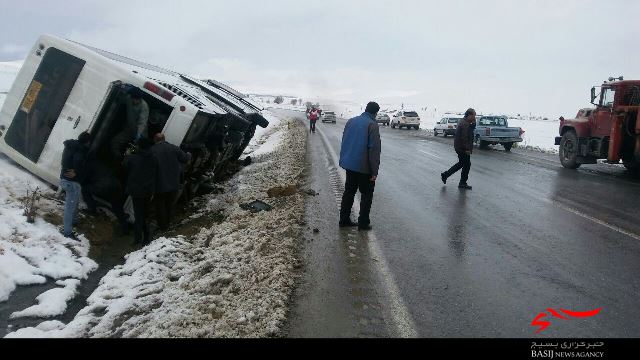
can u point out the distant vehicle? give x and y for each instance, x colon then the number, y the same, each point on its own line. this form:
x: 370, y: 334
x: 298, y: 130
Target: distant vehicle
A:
x: 65, y: 88
x: 610, y: 131
x: 495, y: 130
x: 383, y: 118
x: 408, y: 119
x: 328, y: 116
x: 447, y: 126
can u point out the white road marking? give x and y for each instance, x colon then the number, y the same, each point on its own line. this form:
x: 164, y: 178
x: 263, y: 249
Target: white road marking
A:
x: 430, y: 154
x: 404, y: 324
x: 593, y: 219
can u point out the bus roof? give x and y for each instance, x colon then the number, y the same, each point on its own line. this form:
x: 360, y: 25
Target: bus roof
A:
x: 210, y: 96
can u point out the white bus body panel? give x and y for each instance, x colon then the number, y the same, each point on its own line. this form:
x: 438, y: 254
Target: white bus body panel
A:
x: 84, y: 103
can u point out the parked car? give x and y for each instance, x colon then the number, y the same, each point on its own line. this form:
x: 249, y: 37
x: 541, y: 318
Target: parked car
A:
x: 447, y: 126
x: 495, y: 130
x: 383, y: 118
x: 328, y: 116
x: 408, y: 119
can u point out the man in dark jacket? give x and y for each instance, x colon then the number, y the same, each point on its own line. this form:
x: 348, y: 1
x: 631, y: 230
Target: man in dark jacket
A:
x: 142, y: 172
x: 72, y: 174
x: 102, y: 182
x: 360, y: 157
x: 171, y: 160
x: 463, y: 144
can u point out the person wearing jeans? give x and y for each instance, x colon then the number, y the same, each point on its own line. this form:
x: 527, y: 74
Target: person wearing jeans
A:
x: 72, y: 174
x: 72, y: 198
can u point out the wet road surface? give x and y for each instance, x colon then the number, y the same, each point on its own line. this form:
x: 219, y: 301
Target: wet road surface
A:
x: 530, y: 238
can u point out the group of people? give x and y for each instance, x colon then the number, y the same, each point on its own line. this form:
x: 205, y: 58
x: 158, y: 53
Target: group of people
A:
x: 153, y: 173
x: 360, y: 157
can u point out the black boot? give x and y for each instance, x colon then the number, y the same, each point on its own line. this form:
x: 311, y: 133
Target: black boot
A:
x: 347, y: 223
x: 464, y: 186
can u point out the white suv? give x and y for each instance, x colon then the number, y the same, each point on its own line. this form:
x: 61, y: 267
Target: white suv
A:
x: 408, y: 119
x: 447, y: 126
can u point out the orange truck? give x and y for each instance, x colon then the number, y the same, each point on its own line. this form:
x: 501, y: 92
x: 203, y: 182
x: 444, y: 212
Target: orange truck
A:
x: 609, y: 131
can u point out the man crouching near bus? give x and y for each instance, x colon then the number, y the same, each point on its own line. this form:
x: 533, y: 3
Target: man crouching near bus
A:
x: 72, y: 173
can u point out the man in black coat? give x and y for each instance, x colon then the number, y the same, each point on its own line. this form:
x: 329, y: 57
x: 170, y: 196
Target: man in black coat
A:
x: 463, y: 144
x: 172, y: 161
x: 72, y: 174
x: 142, y: 172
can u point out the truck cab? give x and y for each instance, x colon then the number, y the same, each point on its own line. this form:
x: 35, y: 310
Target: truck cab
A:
x: 610, y: 130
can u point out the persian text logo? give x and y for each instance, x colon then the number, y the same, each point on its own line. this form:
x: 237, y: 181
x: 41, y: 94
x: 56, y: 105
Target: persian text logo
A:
x: 543, y: 324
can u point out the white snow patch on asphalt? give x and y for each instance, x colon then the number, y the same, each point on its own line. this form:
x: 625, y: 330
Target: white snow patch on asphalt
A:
x: 52, y: 302
x: 231, y: 279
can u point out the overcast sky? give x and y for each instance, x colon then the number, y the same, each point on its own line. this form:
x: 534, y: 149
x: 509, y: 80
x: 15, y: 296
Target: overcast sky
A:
x: 497, y: 56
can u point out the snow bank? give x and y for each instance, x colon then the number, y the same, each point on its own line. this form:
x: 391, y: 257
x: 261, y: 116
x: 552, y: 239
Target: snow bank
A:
x: 264, y: 134
x: 231, y: 279
x: 31, y: 252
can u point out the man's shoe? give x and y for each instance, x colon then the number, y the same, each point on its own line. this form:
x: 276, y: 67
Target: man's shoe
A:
x: 72, y: 236
x: 364, y: 227
x: 444, y: 178
x: 464, y: 186
x: 348, y: 224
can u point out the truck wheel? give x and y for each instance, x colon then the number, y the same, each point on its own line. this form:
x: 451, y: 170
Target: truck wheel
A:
x: 507, y: 146
x: 435, y: 132
x: 484, y: 144
x: 569, y: 150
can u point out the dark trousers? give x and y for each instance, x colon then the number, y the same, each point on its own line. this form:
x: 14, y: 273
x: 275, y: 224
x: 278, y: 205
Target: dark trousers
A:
x: 357, y: 181
x: 141, y: 212
x: 312, y: 125
x: 464, y: 163
x: 164, y: 208
x: 116, y: 201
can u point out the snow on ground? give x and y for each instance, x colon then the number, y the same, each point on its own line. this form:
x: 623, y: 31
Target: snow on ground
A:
x: 262, y: 134
x: 231, y: 279
x: 52, y: 302
x: 29, y: 253
x: 539, y: 134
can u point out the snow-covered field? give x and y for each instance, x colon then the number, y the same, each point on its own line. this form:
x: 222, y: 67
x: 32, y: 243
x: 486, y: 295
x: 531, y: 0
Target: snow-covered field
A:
x: 539, y: 134
x: 31, y: 253
x: 232, y: 279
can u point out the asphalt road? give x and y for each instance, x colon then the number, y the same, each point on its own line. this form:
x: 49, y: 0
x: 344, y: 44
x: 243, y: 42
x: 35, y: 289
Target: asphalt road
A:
x: 530, y: 238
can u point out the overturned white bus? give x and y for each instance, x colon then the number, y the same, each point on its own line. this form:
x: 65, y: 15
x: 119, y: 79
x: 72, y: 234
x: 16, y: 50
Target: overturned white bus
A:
x: 65, y: 88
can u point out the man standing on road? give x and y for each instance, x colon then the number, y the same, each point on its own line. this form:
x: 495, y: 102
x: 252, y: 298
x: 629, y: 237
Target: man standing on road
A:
x: 171, y: 160
x: 463, y: 144
x: 360, y: 157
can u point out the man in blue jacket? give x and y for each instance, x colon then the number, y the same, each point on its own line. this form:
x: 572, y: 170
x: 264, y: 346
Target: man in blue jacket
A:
x: 360, y: 157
